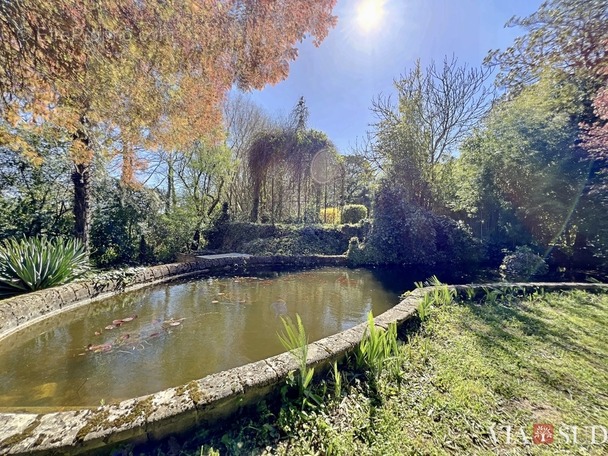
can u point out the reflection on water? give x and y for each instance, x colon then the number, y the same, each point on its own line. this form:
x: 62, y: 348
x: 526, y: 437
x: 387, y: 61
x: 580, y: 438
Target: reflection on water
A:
x: 163, y: 336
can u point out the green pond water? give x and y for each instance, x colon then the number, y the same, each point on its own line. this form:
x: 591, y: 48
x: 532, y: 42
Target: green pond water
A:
x: 167, y: 335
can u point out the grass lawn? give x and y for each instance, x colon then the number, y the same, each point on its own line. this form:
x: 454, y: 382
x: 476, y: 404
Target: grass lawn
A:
x: 469, y: 369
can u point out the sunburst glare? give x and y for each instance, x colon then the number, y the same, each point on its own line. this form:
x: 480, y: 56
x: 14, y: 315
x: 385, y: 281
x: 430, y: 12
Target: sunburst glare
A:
x: 370, y: 14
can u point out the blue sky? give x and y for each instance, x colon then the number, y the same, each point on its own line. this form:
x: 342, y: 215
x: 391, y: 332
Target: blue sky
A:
x: 354, y: 64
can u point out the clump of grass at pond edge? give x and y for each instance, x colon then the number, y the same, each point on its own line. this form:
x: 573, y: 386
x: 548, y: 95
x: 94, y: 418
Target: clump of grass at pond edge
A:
x: 377, y: 347
x: 294, y: 339
x: 439, y: 294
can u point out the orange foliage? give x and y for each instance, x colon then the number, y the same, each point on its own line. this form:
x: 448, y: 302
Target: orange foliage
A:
x: 155, y: 72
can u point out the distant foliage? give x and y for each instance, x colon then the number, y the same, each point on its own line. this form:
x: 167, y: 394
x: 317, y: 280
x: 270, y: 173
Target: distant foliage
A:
x: 330, y: 215
x: 34, y: 199
x: 522, y: 265
x: 35, y: 263
x: 595, y: 137
x: 217, y: 231
x: 171, y: 234
x: 121, y: 217
x: 353, y: 213
x: 403, y: 233
x: 263, y: 239
x: 308, y: 240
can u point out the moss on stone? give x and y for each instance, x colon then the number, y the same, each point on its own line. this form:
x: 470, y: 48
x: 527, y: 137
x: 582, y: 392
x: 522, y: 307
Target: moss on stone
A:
x: 94, y: 422
x: 181, y: 390
x: 195, y: 392
x: 142, y: 408
x: 101, y: 420
x: 18, y: 438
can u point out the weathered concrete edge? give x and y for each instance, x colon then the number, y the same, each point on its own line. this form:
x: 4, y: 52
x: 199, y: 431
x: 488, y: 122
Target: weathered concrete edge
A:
x: 176, y: 409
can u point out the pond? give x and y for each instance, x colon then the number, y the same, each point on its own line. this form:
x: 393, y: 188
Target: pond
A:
x: 167, y: 335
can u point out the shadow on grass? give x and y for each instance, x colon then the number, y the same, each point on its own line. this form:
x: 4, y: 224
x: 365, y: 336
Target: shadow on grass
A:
x: 536, y: 338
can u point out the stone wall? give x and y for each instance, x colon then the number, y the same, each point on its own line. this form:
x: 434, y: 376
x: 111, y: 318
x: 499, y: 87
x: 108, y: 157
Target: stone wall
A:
x: 202, y: 400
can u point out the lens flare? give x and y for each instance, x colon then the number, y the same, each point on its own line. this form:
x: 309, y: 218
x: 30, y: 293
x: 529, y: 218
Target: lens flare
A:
x: 370, y: 14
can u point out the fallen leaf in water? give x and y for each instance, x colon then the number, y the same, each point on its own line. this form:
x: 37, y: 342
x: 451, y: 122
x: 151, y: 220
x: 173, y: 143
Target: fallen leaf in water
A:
x: 214, y: 302
x: 117, y: 322
x: 122, y: 338
x: 99, y: 348
x: 97, y: 333
x: 109, y: 327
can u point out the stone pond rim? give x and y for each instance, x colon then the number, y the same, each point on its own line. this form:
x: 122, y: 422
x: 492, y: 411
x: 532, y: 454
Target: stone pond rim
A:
x: 154, y: 416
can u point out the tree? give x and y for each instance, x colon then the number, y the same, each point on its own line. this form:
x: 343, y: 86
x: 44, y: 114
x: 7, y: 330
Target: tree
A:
x: 34, y: 199
x: 523, y: 174
x: 151, y: 73
x: 406, y: 234
x: 564, y: 35
x: 202, y: 174
x: 436, y: 109
x: 359, y: 179
x: 280, y: 163
x: 244, y: 121
x: 595, y: 138
x: 567, y: 40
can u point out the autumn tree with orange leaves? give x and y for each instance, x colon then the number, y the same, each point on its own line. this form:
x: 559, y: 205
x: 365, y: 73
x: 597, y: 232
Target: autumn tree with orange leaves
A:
x: 115, y: 75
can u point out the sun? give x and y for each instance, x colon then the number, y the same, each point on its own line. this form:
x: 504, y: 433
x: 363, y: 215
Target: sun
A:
x: 369, y: 14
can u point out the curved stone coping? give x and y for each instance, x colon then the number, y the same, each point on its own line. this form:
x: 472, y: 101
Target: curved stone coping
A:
x: 177, y: 409
x: 26, y: 309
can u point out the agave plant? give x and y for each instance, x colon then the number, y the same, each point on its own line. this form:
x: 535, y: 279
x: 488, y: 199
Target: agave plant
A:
x: 29, y: 264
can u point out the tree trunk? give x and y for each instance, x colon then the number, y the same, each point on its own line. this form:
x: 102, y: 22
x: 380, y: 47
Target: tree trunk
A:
x: 171, y: 198
x: 272, y: 208
x: 81, y: 177
x: 299, y: 219
x: 255, y: 207
x: 216, y: 200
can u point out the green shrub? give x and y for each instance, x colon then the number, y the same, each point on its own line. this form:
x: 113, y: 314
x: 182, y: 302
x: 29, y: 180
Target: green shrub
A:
x: 306, y: 240
x: 170, y: 234
x: 35, y: 263
x: 522, y: 265
x: 356, y: 252
x: 122, y: 215
x: 405, y: 234
x: 360, y: 230
x: 330, y: 215
x: 353, y: 213
x: 261, y: 239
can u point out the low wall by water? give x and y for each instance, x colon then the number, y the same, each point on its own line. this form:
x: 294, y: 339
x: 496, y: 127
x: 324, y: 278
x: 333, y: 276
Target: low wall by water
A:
x: 203, y: 400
